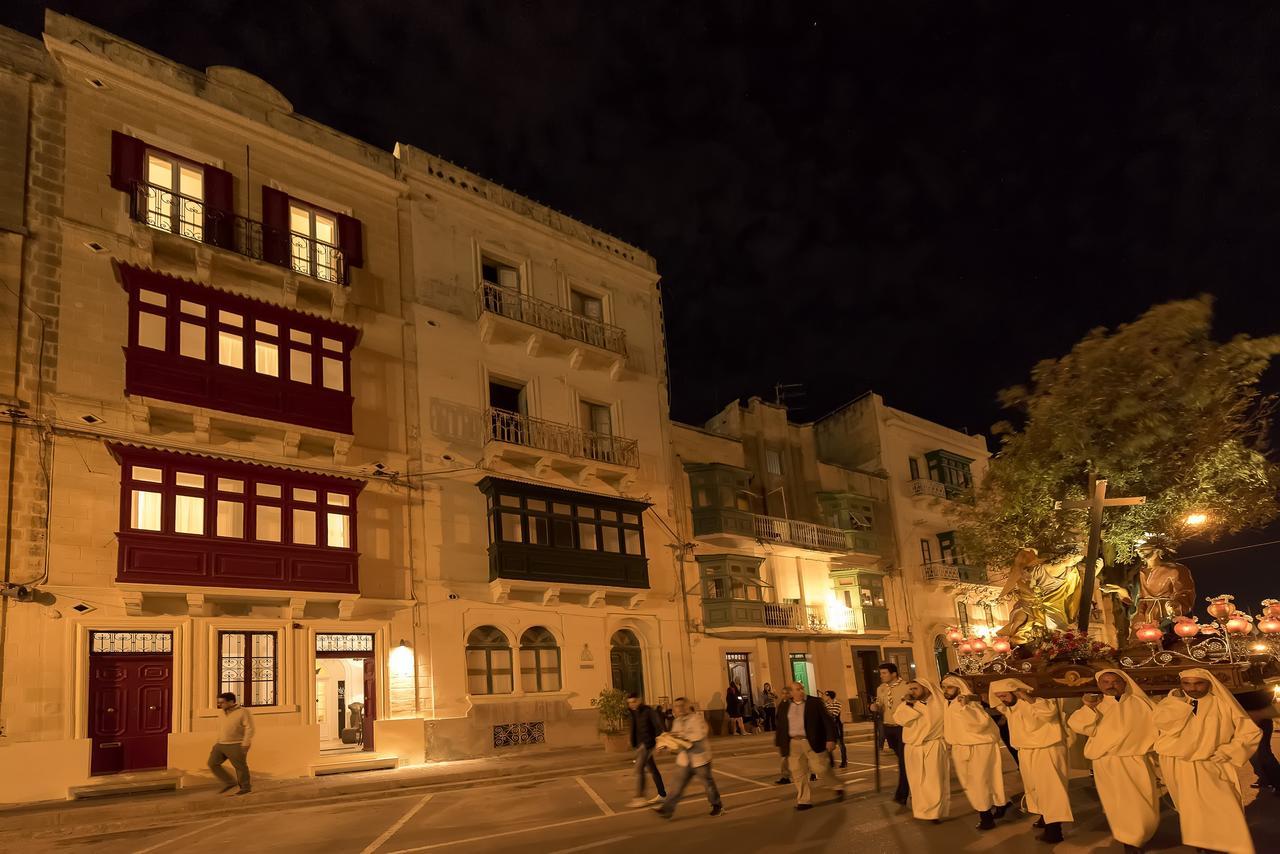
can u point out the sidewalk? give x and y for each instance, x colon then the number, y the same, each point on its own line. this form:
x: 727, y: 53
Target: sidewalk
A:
x: 340, y: 788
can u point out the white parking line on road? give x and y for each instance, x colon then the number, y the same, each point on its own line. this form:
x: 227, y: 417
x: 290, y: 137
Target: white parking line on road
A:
x: 169, y: 842
x: 591, y: 845
x: 720, y: 772
x: 400, y: 822
x: 604, y: 808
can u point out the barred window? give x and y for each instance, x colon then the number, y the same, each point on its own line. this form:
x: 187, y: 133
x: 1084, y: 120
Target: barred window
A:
x: 248, y: 666
x: 539, y: 661
x: 488, y: 662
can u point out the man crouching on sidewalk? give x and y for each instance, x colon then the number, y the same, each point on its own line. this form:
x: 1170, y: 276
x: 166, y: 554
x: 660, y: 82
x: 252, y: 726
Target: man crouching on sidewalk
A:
x: 235, y: 734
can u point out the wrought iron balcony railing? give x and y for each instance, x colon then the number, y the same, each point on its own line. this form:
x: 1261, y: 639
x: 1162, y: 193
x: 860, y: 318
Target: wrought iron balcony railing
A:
x: 963, y: 573
x: 506, y: 302
x: 808, y: 618
x: 516, y: 429
x: 185, y: 216
x: 924, y: 487
x: 804, y: 534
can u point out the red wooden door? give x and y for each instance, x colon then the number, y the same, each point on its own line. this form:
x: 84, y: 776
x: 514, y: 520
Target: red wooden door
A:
x: 130, y: 711
x: 370, y: 701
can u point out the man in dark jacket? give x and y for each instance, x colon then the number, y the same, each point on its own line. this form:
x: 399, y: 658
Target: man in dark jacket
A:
x: 646, y: 726
x: 805, y: 734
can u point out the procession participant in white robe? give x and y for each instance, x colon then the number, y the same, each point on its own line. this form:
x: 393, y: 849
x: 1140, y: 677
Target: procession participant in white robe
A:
x: 1204, y: 738
x: 1037, y: 732
x: 1121, y: 732
x: 974, y: 740
x: 928, y: 762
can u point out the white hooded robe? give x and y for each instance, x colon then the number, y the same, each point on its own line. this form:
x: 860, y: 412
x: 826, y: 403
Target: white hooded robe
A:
x: 1121, y: 735
x: 925, y: 754
x: 1201, y: 754
x: 975, y: 749
x: 1037, y: 733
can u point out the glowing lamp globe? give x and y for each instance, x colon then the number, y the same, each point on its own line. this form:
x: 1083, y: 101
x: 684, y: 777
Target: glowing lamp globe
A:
x: 1220, y: 607
x: 977, y: 645
x: 1271, y: 607
x: 954, y: 635
x: 966, y: 647
x: 1186, y: 628
x: 1269, y: 625
x: 1237, y: 624
x: 1001, y: 645
x: 1149, y: 633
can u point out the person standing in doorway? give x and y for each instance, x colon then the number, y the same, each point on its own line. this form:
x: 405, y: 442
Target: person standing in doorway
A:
x: 235, y: 735
x: 890, y: 694
x: 768, y: 706
x: 688, y: 736
x: 733, y: 708
x: 646, y: 726
x: 836, y: 711
x: 805, y: 732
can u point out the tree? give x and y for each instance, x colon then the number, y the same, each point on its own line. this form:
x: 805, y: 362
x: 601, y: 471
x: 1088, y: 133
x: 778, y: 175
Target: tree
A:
x: 1159, y: 409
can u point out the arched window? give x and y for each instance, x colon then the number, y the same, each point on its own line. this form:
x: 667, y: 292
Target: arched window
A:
x: 626, y: 662
x: 488, y: 662
x: 539, y: 661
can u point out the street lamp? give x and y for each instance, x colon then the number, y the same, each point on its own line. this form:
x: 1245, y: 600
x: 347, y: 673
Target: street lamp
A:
x: 1195, y: 520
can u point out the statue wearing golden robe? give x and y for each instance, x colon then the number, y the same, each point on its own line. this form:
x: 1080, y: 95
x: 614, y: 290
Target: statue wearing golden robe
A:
x: 1046, y: 594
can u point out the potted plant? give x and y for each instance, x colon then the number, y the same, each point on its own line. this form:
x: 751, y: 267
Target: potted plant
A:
x: 611, y: 706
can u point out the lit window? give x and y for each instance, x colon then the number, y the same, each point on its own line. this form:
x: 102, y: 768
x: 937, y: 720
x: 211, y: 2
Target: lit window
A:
x: 297, y: 336
x: 300, y: 366
x: 194, y: 309
x: 266, y: 358
x: 338, y: 499
x: 633, y: 541
x: 488, y: 662
x: 247, y: 667
x: 332, y: 374
x: 587, y: 536
x: 230, y: 318
x: 174, y: 196
x: 152, y: 297
x: 230, y: 350
x: 313, y: 243
x: 230, y: 519
x: 191, y: 340
x: 266, y: 328
x: 307, y: 496
x: 266, y: 525
x: 267, y: 490
x: 148, y: 474
x: 144, y: 511
x: 332, y: 344
x: 609, y: 538
x: 151, y: 330
x: 772, y: 461
x: 188, y: 514
x: 339, y: 531
x: 196, y: 481
x: 511, y: 531
x: 226, y: 484
x: 304, y: 527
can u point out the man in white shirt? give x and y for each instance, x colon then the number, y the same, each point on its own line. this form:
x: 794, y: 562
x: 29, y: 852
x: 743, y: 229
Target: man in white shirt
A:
x: 1204, y: 738
x: 1036, y: 730
x: 890, y: 694
x: 688, y: 736
x: 1121, y: 731
x: 235, y: 735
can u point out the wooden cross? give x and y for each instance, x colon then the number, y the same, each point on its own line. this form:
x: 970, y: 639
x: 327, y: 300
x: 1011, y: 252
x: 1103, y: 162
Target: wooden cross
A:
x: 1095, y: 504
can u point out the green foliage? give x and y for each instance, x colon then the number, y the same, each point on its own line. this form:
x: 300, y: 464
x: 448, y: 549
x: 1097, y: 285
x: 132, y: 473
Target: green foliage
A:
x: 611, y: 706
x: 1159, y: 409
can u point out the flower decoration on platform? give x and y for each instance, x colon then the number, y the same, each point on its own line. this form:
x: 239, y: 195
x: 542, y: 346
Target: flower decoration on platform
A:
x: 1073, y: 646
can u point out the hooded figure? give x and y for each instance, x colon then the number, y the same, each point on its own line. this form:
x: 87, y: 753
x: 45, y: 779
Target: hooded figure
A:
x: 975, y: 750
x: 922, y: 719
x: 1121, y: 733
x: 1036, y: 731
x: 1204, y: 738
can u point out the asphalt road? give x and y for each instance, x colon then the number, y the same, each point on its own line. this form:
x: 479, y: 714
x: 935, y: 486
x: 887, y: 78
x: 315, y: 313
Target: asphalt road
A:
x: 570, y: 812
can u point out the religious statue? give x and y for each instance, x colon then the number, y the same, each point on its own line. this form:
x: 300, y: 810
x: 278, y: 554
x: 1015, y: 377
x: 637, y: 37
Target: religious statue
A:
x: 1165, y: 587
x: 1046, y: 594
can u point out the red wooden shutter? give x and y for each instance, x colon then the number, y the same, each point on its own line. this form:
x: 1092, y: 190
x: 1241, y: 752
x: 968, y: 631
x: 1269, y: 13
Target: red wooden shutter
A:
x: 275, y: 226
x: 351, y: 240
x: 219, y: 200
x: 127, y: 161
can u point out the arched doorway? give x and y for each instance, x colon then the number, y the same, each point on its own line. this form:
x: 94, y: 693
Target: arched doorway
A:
x: 940, y: 655
x: 626, y: 662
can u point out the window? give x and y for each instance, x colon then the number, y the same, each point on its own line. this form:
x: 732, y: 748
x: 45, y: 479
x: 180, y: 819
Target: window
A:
x: 248, y: 666
x: 587, y: 305
x: 914, y: 465
x: 772, y: 461
x: 588, y: 318
x: 597, y: 418
x: 951, y: 470
x: 539, y: 661
x: 174, y: 192
x: 598, y: 442
x: 564, y: 525
x: 926, y: 552
x: 488, y: 662
x: 947, y: 551
x: 500, y: 274
x: 871, y: 588
x: 256, y: 359
x: 721, y: 486
x: 179, y: 494
x: 726, y: 577
x: 313, y: 242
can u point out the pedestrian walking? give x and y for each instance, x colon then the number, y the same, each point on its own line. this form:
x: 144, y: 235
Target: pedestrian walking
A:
x: 768, y: 706
x: 733, y: 708
x: 1036, y: 729
x: 974, y: 740
x: 689, y: 737
x: 646, y: 726
x: 235, y: 736
x: 890, y: 694
x: 837, y: 711
x: 1262, y: 710
x: 1204, y: 738
x: 1121, y: 731
x: 805, y: 732
x: 923, y: 720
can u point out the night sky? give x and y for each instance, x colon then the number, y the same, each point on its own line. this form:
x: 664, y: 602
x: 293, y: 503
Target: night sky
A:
x: 923, y: 199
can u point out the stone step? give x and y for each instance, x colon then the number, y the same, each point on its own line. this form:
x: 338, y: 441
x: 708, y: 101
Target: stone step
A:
x: 354, y: 762
x: 128, y: 784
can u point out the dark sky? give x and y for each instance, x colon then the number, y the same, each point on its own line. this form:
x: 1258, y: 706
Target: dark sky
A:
x: 919, y: 198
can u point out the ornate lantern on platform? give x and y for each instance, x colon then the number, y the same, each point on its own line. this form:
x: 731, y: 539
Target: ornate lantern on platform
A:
x: 1239, y: 623
x: 1001, y: 645
x: 1268, y: 624
x: 1271, y: 607
x: 1221, y: 607
x: 954, y: 636
x: 965, y: 647
x: 978, y: 645
x: 1149, y: 633
x: 1186, y: 627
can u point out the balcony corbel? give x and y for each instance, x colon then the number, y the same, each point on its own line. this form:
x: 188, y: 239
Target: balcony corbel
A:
x: 551, y: 596
x: 636, y: 601
x: 576, y: 357
x: 595, y: 599
x: 131, y: 600
x: 198, y: 606
x: 534, y: 344
x: 500, y: 591
x: 295, y: 609
x: 346, y: 608
x: 488, y: 323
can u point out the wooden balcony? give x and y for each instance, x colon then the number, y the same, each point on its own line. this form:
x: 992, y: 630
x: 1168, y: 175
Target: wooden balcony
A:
x: 507, y: 314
